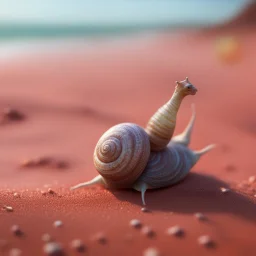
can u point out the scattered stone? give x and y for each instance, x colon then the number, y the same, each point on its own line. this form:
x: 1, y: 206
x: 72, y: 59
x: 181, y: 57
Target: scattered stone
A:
x: 46, y: 238
x: 15, y: 229
x: 147, y: 231
x: 151, y: 252
x: 145, y: 209
x: 58, y: 223
x: 44, y: 161
x: 78, y: 245
x: 50, y: 191
x: 175, y: 231
x: 200, y: 216
x: 61, y: 164
x: 7, y: 208
x: 252, y: 179
x: 44, y: 193
x: 135, y: 223
x: 100, y: 238
x: 224, y: 190
x: 53, y: 249
x: 16, y: 195
x: 27, y: 163
x: 205, y: 241
x: 10, y: 114
x: 15, y: 252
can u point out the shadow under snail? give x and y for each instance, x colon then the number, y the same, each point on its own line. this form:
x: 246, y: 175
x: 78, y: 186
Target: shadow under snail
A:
x: 128, y: 156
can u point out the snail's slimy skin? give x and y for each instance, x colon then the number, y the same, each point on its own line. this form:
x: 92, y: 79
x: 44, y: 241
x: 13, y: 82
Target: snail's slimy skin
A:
x: 168, y: 167
x: 161, y: 126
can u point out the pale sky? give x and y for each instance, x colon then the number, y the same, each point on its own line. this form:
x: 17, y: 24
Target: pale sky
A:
x: 116, y: 11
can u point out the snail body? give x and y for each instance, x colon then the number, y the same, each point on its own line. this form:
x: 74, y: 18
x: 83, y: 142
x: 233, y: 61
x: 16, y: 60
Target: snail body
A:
x: 161, y: 125
x: 168, y: 167
x: 171, y: 165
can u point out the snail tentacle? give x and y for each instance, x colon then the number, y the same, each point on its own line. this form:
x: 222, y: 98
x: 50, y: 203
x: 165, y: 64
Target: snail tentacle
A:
x: 198, y: 153
x: 185, y: 137
x: 98, y: 180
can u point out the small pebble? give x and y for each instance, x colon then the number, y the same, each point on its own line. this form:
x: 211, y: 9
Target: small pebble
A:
x: 151, y: 252
x: 50, y: 191
x: 53, y: 249
x: 16, y: 195
x: 147, y: 231
x: 8, y: 208
x: 205, y: 241
x: 43, y: 161
x: 135, y: 223
x: 61, y: 165
x: 78, y: 245
x: 252, y: 179
x: 175, y: 231
x: 15, y: 252
x: 58, y: 223
x: 12, y: 114
x: 100, y: 238
x: 200, y: 216
x: 28, y: 163
x: 224, y: 190
x: 145, y: 209
x: 44, y: 193
x: 46, y: 238
x: 15, y: 229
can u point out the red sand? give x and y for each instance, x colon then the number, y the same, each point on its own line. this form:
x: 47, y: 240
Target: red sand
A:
x: 71, y: 98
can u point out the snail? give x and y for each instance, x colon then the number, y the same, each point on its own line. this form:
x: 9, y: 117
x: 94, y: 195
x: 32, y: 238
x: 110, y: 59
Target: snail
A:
x: 161, y: 125
x: 172, y: 164
x: 122, y: 152
x: 126, y: 155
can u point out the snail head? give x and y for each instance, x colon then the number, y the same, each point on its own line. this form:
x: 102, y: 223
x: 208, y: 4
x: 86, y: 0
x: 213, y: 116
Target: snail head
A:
x: 185, y: 87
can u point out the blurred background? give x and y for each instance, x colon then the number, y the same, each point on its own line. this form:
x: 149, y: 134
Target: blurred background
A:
x: 33, y: 20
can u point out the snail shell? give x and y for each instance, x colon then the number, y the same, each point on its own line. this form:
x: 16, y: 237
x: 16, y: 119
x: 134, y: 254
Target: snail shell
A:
x: 161, y: 125
x: 121, y: 154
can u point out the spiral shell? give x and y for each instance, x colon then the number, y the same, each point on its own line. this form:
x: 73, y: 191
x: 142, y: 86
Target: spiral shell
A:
x: 167, y: 167
x: 121, y: 154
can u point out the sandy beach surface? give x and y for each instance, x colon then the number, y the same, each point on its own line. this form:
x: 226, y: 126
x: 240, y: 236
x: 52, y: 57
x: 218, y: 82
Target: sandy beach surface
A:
x: 68, y: 99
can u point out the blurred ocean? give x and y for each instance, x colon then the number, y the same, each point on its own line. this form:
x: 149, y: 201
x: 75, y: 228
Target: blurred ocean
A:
x: 25, y: 22
x: 71, y: 18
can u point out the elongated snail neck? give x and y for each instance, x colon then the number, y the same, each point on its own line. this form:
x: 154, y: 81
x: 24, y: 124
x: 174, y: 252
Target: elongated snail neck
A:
x: 161, y: 126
